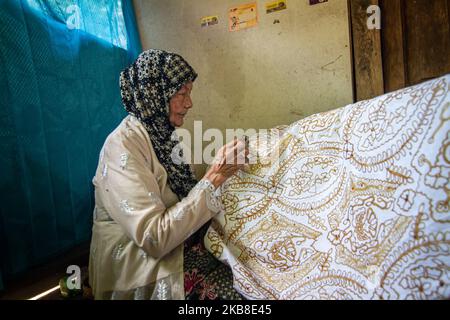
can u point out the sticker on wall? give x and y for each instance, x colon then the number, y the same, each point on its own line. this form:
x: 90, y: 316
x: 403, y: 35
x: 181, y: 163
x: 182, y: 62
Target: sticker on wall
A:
x: 242, y: 17
x: 313, y: 2
x: 275, y: 6
x: 209, y: 21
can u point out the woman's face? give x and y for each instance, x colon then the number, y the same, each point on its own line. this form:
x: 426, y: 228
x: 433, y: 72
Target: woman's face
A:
x: 180, y: 103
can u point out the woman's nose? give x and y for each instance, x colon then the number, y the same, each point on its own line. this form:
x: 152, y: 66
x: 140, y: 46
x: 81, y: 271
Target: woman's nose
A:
x: 188, y: 103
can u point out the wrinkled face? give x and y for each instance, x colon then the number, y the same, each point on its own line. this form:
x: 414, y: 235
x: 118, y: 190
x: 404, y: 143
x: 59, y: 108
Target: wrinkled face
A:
x: 180, y: 103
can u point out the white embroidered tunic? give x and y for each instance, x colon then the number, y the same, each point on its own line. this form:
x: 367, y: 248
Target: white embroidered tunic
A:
x: 139, y: 223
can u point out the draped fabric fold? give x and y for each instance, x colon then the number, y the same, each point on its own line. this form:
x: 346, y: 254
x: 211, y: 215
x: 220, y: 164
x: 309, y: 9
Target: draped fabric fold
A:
x: 348, y: 204
x: 59, y: 98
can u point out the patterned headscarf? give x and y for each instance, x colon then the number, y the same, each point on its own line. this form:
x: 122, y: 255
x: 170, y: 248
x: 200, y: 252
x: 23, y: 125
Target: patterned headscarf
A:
x: 146, y: 88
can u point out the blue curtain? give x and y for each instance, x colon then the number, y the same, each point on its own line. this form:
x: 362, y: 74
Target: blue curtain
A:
x: 59, y: 98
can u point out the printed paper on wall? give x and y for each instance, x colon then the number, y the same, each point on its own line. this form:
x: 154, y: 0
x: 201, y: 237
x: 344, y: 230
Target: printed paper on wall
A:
x: 274, y: 6
x: 209, y: 21
x: 243, y: 17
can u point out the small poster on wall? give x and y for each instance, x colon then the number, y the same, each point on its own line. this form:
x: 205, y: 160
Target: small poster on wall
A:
x: 242, y: 17
x: 313, y: 2
x: 274, y: 6
x: 209, y: 21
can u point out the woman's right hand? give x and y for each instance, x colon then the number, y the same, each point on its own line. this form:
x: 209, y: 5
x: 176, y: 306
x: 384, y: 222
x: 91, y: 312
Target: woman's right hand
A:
x: 230, y: 158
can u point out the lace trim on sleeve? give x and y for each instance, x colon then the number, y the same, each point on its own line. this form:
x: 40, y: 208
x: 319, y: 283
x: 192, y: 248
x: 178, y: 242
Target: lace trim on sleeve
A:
x: 213, y: 195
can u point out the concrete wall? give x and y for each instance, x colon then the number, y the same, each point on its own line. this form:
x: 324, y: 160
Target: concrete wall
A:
x: 272, y: 74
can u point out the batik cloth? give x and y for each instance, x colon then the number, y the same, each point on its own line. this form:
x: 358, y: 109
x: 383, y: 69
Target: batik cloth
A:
x: 349, y: 204
x: 205, y: 277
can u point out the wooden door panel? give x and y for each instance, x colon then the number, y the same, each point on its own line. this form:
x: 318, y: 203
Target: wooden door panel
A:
x: 412, y: 46
x: 427, y: 38
x: 394, y: 51
x: 368, y: 68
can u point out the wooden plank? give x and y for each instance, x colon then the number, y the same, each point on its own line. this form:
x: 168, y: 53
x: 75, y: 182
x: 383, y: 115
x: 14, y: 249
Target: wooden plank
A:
x: 352, y: 54
x: 367, y: 56
x: 428, y: 38
x: 393, y: 45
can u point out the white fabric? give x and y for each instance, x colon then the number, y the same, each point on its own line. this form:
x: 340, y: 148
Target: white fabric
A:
x: 356, y: 208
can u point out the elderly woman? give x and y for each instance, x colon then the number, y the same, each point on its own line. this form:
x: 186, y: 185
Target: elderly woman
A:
x: 147, y: 206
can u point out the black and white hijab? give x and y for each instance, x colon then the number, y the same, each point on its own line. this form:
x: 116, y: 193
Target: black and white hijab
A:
x: 146, y: 88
